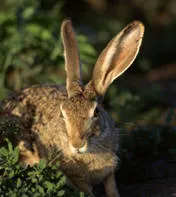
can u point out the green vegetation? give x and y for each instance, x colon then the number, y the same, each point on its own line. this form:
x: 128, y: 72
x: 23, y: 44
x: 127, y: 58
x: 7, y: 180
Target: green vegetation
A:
x: 31, y: 50
x: 41, y: 180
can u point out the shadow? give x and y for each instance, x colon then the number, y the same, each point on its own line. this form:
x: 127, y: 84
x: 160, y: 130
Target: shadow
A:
x: 18, y: 128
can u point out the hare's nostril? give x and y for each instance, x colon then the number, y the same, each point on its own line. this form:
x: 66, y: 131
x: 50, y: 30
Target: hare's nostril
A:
x: 81, y: 149
x: 73, y: 149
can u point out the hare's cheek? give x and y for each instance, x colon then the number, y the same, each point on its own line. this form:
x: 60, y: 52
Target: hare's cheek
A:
x: 96, y: 132
x: 68, y: 127
x: 64, y: 117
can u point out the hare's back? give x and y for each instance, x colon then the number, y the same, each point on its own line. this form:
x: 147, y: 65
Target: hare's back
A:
x: 36, y: 104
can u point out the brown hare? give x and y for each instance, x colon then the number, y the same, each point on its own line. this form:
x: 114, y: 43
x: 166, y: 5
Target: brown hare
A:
x: 71, y: 120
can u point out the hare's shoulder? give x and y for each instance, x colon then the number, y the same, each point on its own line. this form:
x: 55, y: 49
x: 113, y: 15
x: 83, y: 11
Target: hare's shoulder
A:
x: 35, y: 95
x: 43, y: 93
x: 35, y: 100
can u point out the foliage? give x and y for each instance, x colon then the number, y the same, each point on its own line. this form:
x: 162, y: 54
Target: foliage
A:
x: 31, y: 50
x: 40, y: 180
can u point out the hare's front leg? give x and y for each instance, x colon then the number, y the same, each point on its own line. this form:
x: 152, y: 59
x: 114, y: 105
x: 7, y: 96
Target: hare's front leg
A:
x: 27, y: 156
x: 110, y: 186
x: 83, y: 186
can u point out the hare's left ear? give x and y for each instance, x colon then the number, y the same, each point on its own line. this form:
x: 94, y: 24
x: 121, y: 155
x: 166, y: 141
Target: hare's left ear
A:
x: 72, y: 62
x: 117, y: 56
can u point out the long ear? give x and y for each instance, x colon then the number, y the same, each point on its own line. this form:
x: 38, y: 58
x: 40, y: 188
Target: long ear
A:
x: 117, y: 56
x: 72, y: 62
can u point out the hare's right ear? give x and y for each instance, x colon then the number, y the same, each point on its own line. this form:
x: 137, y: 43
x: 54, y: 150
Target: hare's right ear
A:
x: 117, y: 56
x: 72, y: 62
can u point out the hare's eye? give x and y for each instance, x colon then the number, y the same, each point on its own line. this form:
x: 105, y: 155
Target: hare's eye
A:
x: 93, y: 133
x: 89, y: 134
x: 96, y: 112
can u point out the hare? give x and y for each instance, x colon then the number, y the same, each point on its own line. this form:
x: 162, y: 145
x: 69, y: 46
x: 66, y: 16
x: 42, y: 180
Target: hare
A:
x: 71, y: 120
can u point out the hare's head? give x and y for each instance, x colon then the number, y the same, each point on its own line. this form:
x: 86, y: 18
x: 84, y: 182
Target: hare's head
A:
x: 79, y: 111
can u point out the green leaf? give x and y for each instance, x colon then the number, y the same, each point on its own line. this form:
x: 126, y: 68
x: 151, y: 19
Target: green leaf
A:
x: 48, y: 185
x: 24, y: 195
x: 10, y: 147
x: 42, y: 165
x: 46, y: 35
x: 59, y: 174
x: 3, y: 151
x: 19, y: 183
x: 28, y: 12
x: 34, y: 28
x: 40, y: 189
x: 61, y: 182
x: 61, y: 193
x: 15, y: 155
x: 2, y: 17
x: 82, y: 194
x: 87, y: 48
x: 11, y: 174
x: 34, y: 180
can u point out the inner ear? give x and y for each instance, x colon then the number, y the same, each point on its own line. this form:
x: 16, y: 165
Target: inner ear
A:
x: 117, y: 56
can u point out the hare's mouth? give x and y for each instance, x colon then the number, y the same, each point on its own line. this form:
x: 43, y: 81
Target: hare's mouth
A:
x: 82, y: 149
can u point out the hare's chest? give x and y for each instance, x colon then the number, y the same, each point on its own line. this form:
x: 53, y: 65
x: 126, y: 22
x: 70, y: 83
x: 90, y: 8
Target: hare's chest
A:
x: 91, y: 167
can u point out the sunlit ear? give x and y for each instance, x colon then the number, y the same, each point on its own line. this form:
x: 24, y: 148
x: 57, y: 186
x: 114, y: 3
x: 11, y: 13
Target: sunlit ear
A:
x: 72, y: 62
x: 117, y: 56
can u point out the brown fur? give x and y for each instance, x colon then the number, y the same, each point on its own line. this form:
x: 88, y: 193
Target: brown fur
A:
x: 69, y: 124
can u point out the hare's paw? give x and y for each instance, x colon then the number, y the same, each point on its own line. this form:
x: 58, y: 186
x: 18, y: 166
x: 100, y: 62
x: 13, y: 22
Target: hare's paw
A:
x: 110, y: 186
x: 27, y: 156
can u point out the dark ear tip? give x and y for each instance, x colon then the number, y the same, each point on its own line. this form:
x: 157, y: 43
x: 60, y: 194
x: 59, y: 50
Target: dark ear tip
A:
x: 139, y: 25
x: 135, y: 25
x: 66, y: 23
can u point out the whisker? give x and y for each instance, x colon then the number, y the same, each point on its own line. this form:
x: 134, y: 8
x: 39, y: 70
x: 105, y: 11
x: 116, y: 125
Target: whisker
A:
x: 55, y: 157
x: 99, y: 145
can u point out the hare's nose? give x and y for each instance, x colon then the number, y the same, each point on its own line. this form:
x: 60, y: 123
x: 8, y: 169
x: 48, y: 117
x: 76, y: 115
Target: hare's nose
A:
x: 81, y: 149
